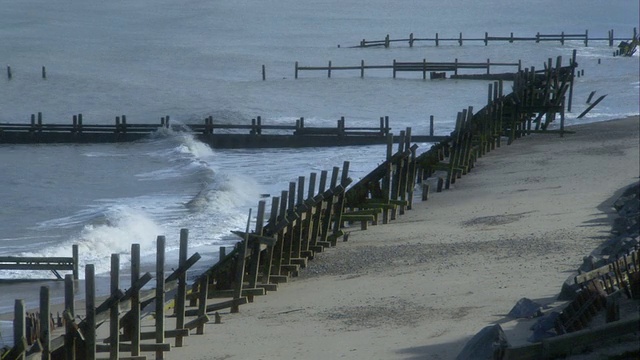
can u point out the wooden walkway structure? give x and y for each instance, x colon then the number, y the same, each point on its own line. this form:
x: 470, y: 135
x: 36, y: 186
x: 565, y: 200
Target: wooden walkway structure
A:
x: 220, y: 136
x: 310, y: 216
x: 434, y: 69
x: 437, y: 40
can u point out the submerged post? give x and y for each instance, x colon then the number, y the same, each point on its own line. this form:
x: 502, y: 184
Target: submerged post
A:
x: 431, y: 125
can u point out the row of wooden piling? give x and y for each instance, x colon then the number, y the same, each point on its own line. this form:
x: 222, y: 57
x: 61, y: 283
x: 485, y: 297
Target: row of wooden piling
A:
x: 303, y: 221
x: 562, y: 37
x: 421, y: 66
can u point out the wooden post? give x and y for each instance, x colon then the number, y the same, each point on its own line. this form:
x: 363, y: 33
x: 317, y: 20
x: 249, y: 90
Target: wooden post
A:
x: 9, y: 72
x: 460, y: 40
x: 44, y: 335
x: 386, y: 180
x: 202, y: 301
x: 431, y: 125
x: 488, y: 66
x: 74, y: 255
x: 159, y: 315
x: 511, y: 38
x: 44, y: 72
x: 455, y: 69
x: 114, y: 318
x: 387, y: 42
x: 611, y: 37
x: 537, y: 39
x: 586, y: 37
x: 239, y: 274
x: 329, y: 70
x: 182, y: 285
x: 296, y: 71
x: 135, y: 301
x: 562, y: 38
x: 90, y: 298
x: 486, y: 38
x: 424, y: 69
x: 340, y: 201
x: 573, y: 71
x: 361, y: 68
x: 19, y: 326
x: 254, y: 266
x: 264, y: 73
x: 394, y: 68
x: 437, y: 39
x: 69, y: 307
x: 411, y: 40
x: 425, y: 191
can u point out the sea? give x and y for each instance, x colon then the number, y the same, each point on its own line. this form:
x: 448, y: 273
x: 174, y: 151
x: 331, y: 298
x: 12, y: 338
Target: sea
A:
x: 191, y: 59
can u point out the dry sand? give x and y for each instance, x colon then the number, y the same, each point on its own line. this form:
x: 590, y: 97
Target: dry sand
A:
x: 418, y: 288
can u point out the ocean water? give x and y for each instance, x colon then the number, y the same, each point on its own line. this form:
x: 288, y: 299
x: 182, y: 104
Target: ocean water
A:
x: 193, y: 59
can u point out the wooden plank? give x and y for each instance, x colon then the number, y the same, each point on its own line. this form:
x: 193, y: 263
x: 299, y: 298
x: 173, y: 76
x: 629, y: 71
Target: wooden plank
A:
x: 158, y: 347
x: 218, y: 306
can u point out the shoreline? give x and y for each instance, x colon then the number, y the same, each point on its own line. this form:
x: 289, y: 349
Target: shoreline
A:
x: 406, y: 290
x: 421, y: 286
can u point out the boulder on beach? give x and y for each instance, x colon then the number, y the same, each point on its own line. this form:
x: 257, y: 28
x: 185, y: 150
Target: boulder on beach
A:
x: 484, y: 344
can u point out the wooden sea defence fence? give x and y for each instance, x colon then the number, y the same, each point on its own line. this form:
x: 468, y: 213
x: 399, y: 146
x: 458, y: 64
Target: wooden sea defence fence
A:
x: 537, y: 38
x: 434, y: 69
x: 53, y: 264
x: 313, y: 214
x: 254, y: 135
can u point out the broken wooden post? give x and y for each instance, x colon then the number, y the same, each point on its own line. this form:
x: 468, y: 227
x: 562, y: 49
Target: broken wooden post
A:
x: 202, y: 301
x: 19, y: 330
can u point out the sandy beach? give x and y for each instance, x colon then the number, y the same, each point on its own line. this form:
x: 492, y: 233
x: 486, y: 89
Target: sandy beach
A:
x: 420, y: 287
x: 518, y: 225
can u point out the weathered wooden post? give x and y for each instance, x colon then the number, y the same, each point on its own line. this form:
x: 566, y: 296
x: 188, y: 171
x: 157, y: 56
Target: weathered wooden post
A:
x: 537, y: 38
x: 44, y: 72
x: 182, y: 285
x: 394, y: 68
x: 344, y: 181
x: 387, y: 42
x: 9, y: 72
x: 135, y: 301
x: 460, y: 39
x: 69, y: 308
x: 264, y: 73
x: 159, y: 315
x: 562, y: 38
x: 411, y: 40
x: 586, y: 37
x: 611, y: 37
x: 437, y: 42
x: 74, y: 255
x: 239, y: 270
x: 255, y: 249
x: 488, y: 66
x: 511, y: 38
x: 202, y: 301
x: 486, y: 38
x: 114, y: 316
x: 124, y: 124
x: 455, y: 67
x: 424, y: 69
x: 425, y: 191
x: 573, y: 71
x: 361, y: 68
x: 90, y: 317
x: 296, y: 70
x: 329, y: 70
x: 431, y: 125
x: 19, y: 329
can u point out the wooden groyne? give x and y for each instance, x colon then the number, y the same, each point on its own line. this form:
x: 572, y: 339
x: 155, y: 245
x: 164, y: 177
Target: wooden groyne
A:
x: 436, y: 70
x: 216, y: 135
x: 437, y: 40
x: 313, y: 214
x: 53, y: 264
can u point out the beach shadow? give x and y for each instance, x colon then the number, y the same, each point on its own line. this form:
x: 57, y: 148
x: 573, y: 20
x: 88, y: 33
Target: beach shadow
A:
x: 447, y: 350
